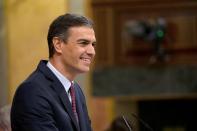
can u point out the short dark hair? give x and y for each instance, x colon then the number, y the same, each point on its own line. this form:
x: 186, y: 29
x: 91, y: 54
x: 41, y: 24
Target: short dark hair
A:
x: 60, y: 26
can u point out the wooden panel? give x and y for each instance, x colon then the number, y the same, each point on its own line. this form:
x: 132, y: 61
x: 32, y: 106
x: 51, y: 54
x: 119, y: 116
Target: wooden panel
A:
x: 133, y: 3
x: 112, y: 16
x: 180, y: 42
x: 104, y: 33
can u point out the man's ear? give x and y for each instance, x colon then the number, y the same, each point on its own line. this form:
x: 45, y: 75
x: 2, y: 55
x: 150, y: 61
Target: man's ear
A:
x: 57, y: 43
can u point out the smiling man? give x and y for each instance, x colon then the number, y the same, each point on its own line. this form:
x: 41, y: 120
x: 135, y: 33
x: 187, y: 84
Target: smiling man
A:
x: 49, y: 99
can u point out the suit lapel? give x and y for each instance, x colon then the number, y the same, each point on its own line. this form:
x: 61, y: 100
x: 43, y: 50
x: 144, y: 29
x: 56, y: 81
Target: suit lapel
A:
x: 66, y: 102
x: 59, y: 89
x: 80, y: 113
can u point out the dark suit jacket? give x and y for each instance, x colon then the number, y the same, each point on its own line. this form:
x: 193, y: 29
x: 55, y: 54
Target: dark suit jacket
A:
x: 41, y: 104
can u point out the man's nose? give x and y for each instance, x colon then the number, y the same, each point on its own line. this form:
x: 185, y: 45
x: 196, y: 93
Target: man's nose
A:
x: 91, y: 50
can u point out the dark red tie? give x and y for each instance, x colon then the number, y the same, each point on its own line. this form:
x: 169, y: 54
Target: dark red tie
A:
x: 73, y: 101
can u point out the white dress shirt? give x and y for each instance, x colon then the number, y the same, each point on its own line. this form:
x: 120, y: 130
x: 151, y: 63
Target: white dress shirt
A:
x: 65, y: 82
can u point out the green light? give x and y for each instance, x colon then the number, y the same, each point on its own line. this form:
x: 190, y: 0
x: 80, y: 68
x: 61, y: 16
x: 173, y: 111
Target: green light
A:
x: 160, y: 33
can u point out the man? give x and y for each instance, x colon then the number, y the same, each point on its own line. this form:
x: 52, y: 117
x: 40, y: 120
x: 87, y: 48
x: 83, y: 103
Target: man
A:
x: 45, y: 100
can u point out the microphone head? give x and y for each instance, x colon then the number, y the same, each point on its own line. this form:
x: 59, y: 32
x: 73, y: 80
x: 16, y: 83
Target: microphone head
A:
x: 122, y: 123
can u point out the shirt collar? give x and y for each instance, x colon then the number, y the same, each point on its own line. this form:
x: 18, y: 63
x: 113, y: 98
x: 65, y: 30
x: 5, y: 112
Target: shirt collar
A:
x: 65, y: 82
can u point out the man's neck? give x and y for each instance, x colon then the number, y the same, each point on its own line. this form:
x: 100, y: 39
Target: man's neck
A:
x: 59, y: 66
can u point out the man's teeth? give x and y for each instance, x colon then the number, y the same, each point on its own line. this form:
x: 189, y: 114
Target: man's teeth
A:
x: 85, y: 59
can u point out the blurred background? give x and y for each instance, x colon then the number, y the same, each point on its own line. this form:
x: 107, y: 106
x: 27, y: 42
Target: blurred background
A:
x: 146, y: 62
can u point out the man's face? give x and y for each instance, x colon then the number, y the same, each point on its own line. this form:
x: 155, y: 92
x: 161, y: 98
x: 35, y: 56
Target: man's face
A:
x: 79, y: 50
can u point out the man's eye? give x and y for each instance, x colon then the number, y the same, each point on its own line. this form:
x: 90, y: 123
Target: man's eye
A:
x: 83, y: 43
x: 94, y: 44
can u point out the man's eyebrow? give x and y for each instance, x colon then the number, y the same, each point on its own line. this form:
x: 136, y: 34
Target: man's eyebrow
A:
x: 83, y: 40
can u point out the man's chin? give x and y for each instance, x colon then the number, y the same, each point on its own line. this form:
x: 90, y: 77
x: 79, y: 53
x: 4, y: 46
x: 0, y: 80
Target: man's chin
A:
x: 84, y: 70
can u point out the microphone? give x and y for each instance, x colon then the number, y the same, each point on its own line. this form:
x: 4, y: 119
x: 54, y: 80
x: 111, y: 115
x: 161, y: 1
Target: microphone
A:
x: 127, y: 124
x: 132, y: 125
x: 143, y: 122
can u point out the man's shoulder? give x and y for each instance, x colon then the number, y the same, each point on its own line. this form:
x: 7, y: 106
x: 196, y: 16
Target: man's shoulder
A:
x: 34, y: 81
x: 35, y: 76
x: 35, y: 85
x: 38, y: 75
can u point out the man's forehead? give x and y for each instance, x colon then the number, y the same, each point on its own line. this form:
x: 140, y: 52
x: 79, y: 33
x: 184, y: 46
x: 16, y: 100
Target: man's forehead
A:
x: 80, y: 28
x: 82, y: 31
